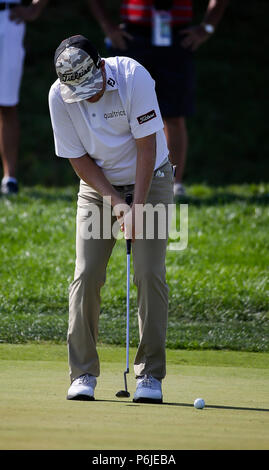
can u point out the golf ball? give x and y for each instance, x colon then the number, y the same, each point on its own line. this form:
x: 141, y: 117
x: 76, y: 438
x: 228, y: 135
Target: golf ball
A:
x: 199, y: 403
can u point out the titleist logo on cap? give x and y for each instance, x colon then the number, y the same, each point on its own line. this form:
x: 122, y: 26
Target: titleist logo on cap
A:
x: 146, y: 117
x: 69, y: 77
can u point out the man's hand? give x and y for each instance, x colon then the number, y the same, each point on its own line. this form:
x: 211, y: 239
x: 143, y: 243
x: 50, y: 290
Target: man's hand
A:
x: 126, y: 218
x: 130, y: 219
x: 118, y: 37
x: 116, y: 34
x: 121, y: 210
x: 194, y: 36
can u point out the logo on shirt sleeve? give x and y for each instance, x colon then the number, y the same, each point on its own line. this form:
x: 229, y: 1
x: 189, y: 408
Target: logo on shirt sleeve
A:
x: 111, y: 82
x: 146, y: 117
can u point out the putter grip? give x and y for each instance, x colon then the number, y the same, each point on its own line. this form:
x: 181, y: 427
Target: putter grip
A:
x: 128, y: 201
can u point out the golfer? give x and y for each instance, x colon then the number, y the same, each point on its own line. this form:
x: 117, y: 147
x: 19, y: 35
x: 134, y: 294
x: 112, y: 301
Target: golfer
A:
x: 106, y: 121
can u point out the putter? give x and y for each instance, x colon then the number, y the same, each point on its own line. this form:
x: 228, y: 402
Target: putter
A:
x: 125, y: 393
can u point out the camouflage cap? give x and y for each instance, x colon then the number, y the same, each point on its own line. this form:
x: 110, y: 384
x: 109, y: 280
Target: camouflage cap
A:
x: 77, y: 65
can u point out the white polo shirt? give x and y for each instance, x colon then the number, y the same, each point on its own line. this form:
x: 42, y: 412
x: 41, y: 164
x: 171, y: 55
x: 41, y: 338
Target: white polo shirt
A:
x: 107, y: 129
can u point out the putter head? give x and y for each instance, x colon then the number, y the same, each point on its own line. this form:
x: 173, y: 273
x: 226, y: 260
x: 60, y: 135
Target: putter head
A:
x: 122, y: 394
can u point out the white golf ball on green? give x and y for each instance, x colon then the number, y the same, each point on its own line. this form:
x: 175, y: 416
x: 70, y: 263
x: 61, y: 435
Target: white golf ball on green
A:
x: 199, y: 403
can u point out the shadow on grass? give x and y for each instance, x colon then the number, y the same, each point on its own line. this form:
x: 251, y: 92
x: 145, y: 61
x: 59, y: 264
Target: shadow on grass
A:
x: 189, y: 405
x: 221, y: 407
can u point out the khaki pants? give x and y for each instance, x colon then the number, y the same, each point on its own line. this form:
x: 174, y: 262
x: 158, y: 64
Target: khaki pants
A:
x: 92, y: 256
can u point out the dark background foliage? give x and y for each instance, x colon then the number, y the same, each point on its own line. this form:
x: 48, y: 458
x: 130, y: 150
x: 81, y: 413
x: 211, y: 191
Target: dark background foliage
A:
x: 228, y: 134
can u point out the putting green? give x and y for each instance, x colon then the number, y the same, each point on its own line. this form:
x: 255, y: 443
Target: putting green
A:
x: 36, y: 415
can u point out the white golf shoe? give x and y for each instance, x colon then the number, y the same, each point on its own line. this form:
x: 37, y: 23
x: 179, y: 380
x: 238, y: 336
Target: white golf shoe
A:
x: 82, y: 388
x: 179, y: 190
x: 148, y: 390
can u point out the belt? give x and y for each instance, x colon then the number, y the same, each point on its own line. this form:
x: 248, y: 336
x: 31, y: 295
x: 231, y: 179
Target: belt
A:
x: 129, y: 187
x: 124, y: 188
x: 166, y: 160
x: 6, y: 6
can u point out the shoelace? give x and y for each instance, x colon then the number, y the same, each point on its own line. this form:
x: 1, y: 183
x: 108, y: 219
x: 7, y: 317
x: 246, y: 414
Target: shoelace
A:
x: 147, y: 381
x: 84, y: 379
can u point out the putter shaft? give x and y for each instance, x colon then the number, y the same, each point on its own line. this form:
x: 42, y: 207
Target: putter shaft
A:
x: 127, y: 314
x: 128, y: 251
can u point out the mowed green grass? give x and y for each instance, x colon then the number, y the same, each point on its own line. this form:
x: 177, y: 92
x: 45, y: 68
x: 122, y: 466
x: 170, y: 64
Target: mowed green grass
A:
x: 36, y: 415
x: 218, y: 286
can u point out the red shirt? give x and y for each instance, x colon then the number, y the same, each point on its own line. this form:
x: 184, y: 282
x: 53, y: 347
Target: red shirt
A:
x: 140, y: 11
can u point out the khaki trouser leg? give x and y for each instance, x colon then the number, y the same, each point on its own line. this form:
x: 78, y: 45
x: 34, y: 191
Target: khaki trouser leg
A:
x: 152, y: 299
x: 152, y: 290
x: 92, y: 256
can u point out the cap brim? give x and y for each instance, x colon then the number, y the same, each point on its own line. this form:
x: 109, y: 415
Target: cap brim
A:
x: 89, y: 88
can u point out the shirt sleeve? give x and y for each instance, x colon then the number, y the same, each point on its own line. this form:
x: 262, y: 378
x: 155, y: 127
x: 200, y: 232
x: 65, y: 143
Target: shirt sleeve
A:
x: 67, y: 142
x: 145, y: 116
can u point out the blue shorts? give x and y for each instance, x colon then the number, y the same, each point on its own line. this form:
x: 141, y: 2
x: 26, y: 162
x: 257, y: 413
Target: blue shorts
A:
x: 171, y: 67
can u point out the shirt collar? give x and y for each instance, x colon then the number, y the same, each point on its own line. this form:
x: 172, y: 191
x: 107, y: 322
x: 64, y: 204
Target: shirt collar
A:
x: 111, y: 83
